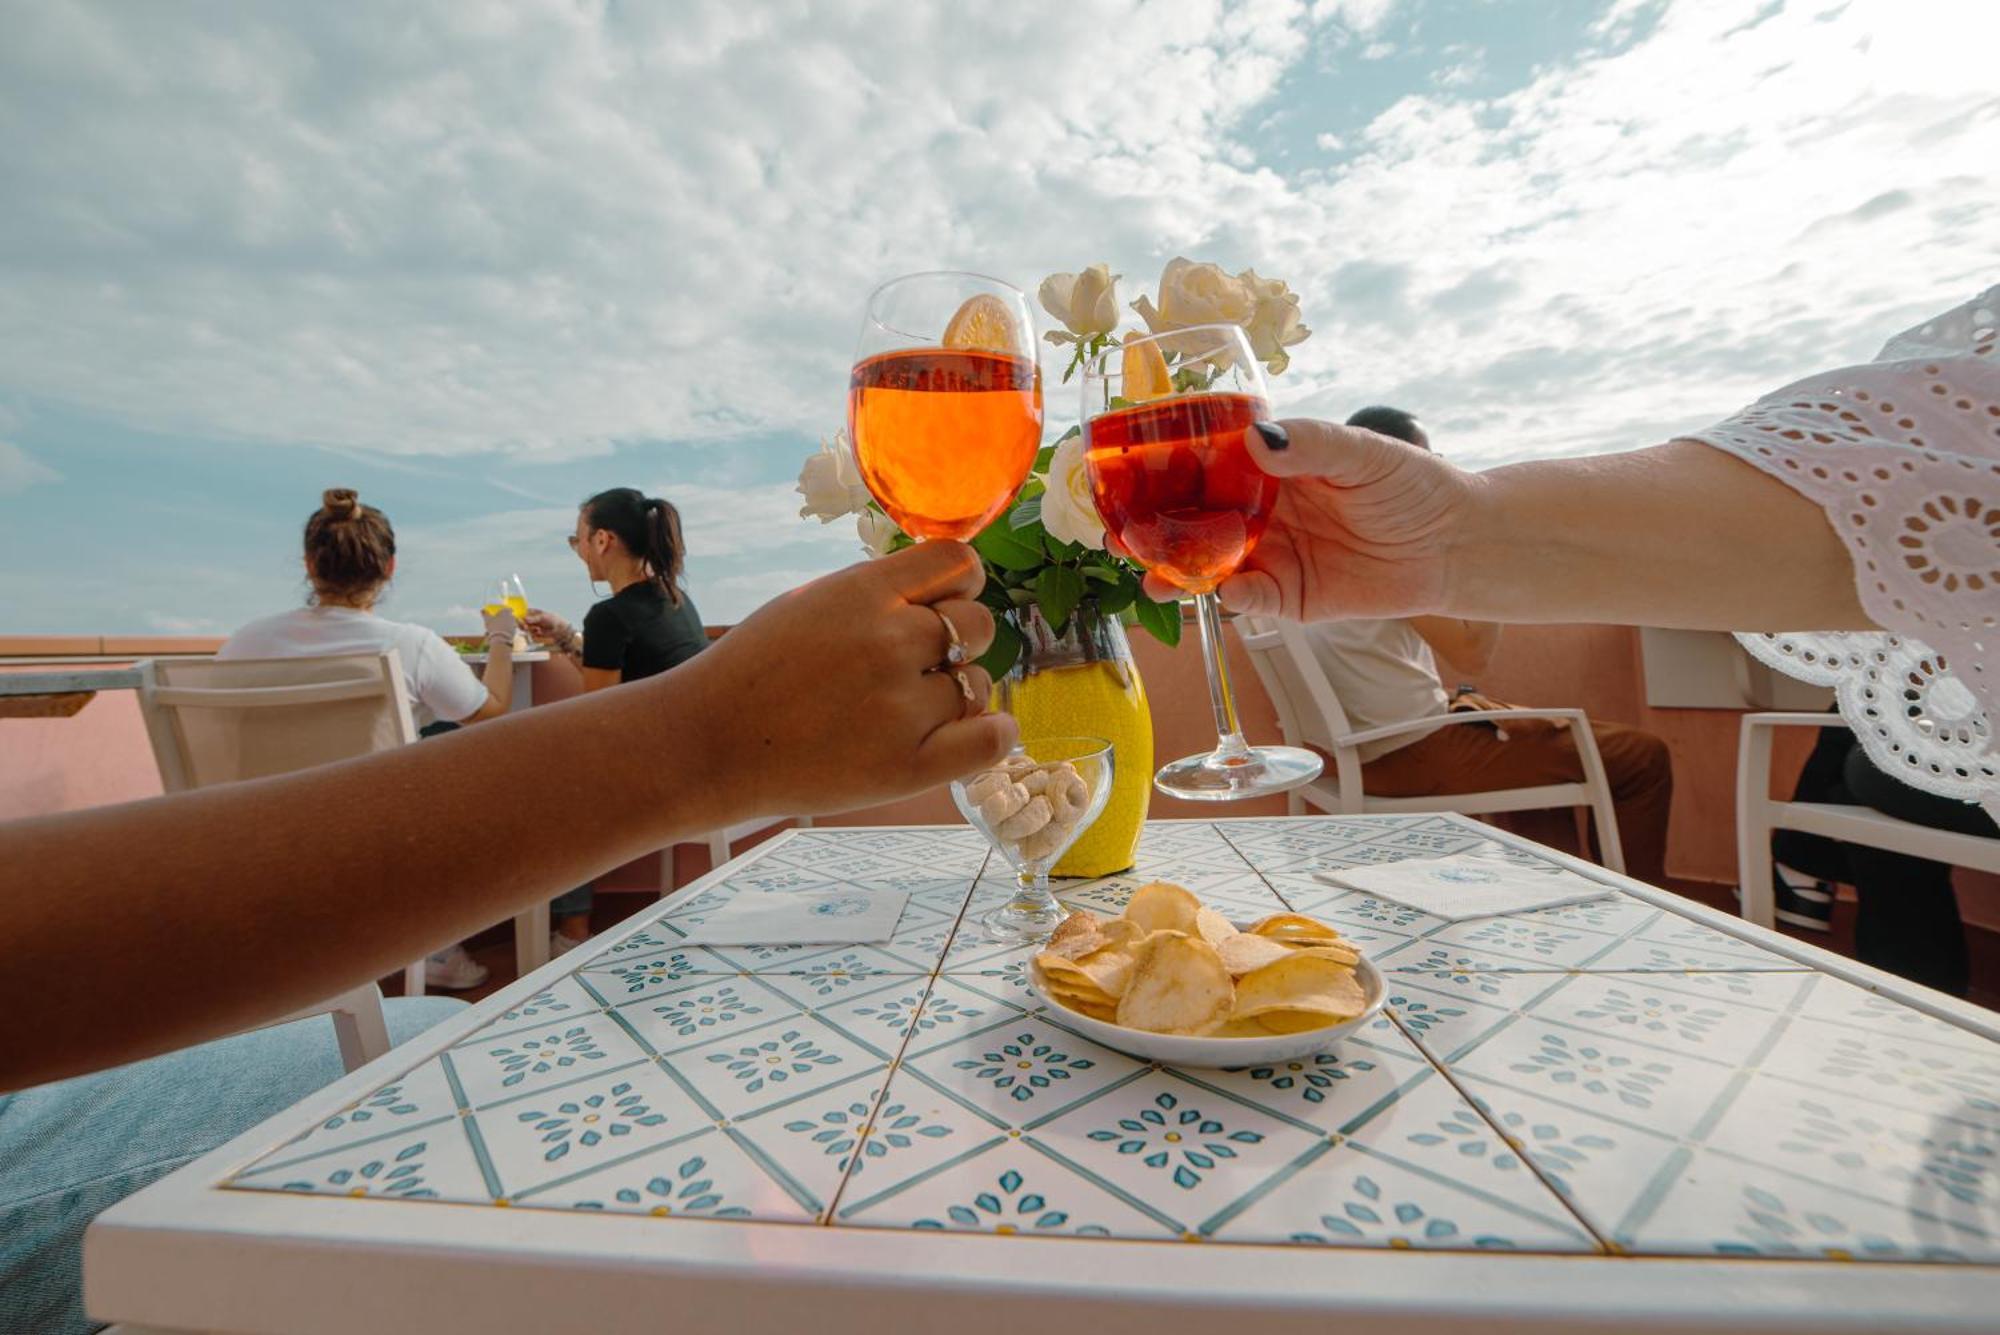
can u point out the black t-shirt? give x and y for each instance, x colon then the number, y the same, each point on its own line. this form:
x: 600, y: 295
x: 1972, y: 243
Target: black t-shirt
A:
x: 638, y: 632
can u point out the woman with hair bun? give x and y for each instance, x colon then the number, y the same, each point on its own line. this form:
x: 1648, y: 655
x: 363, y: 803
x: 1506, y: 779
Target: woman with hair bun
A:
x: 648, y: 625
x: 350, y: 557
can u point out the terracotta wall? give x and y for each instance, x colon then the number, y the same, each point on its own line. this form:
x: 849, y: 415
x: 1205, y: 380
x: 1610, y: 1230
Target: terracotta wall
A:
x: 101, y: 755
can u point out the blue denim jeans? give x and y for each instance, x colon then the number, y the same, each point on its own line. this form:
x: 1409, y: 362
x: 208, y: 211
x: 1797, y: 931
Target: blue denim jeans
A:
x: 72, y: 1149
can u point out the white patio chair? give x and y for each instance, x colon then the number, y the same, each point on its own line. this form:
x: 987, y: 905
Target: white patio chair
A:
x: 220, y: 720
x: 721, y: 846
x: 1758, y: 815
x: 1310, y: 715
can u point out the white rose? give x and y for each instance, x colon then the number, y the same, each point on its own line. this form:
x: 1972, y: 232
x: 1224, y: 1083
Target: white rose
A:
x: 1086, y: 303
x: 876, y: 531
x: 1192, y: 294
x: 1068, y: 512
x: 831, y: 482
x: 1274, y: 325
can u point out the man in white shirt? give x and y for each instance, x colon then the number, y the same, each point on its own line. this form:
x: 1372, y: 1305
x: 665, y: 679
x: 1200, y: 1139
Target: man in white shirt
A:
x: 1386, y: 672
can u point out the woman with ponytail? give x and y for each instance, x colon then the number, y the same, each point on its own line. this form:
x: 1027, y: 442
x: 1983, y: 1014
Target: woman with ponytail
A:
x: 350, y: 553
x: 632, y: 542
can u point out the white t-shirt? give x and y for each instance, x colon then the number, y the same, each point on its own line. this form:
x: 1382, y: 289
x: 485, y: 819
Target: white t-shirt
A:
x: 441, y: 684
x: 1381, y: 672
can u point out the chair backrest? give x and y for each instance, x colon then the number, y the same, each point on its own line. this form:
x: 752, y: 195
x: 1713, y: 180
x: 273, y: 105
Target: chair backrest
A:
x: 1308, y: 710
x: 219, y: 720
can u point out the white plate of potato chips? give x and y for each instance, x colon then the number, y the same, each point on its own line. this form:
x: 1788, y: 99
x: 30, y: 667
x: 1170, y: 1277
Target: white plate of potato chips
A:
x: 1173, y: 981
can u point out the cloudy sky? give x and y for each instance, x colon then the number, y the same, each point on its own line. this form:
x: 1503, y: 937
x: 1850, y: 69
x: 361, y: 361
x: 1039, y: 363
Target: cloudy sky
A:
x: 479, y: 259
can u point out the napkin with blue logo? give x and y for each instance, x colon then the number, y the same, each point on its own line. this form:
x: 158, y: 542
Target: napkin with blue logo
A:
x: 1478, y: 883
x: 839, y: 917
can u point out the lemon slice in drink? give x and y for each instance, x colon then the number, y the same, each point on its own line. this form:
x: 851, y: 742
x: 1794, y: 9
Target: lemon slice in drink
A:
x: 984, y: 323
x: 1145, y: 371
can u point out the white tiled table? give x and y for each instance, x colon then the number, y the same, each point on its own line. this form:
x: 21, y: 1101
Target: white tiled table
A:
x: 645, y: 1137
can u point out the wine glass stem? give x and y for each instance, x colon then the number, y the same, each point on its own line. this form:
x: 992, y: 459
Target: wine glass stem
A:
x: 1032, y: 893
x: 1208, y: 612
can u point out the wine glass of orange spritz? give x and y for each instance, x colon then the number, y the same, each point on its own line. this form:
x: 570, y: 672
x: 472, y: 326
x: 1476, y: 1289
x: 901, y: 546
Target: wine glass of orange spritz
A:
x: 945, y: 404
x: 1176, y: 485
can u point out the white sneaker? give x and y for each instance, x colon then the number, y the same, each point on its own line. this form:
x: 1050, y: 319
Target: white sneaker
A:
x: 561, y: 944
x: 453, y: 970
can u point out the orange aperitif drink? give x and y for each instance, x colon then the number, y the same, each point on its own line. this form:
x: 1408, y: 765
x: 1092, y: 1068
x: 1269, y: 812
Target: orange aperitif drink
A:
x: 945, y: 402
x: 944, y: 436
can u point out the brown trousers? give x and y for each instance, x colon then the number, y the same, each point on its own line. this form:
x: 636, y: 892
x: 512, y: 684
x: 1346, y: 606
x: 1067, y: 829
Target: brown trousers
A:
x: 1471, y: 758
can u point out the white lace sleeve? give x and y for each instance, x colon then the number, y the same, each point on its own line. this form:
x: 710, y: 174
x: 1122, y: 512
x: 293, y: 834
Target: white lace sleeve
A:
x: 1904, y: 455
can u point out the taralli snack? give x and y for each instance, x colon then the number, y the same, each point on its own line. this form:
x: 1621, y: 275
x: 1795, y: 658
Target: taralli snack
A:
x: 1032, y: 809
x: 1169, y: 965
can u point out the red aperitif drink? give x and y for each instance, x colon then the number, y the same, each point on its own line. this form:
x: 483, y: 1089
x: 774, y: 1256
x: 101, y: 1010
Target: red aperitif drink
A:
x: 944, y: 436
x: 1175, y: 484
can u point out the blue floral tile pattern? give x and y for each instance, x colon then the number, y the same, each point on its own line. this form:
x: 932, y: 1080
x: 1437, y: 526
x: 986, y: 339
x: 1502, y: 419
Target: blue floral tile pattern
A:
x: 1613, y: 1076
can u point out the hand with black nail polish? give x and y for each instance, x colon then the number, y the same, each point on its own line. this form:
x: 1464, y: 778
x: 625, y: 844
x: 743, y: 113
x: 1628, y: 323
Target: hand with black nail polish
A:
x: 1360, y: 529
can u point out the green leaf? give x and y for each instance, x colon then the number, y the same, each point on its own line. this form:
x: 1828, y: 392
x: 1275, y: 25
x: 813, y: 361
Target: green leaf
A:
x: 1102, y: 574
x: 1161, y: 620
x: 1058, y: 589
x: 1070, y: 434
x: 1010, y: 548
x: 1025, y: 513
x: 1006, y: 647
x: 1118, y: 597
x: 1046, y: 456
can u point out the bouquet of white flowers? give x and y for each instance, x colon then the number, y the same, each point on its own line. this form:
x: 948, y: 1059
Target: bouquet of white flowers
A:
x: 1047, y: 548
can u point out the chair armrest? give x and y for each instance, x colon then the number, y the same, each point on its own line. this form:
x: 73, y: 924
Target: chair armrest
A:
x: 1782, y: 719
x: 1572, y: 716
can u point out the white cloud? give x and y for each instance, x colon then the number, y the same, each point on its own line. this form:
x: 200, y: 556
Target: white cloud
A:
x: 1329, y: 141
x: 20, y: 470
x: 1360, y: 16
x: 550, y: 226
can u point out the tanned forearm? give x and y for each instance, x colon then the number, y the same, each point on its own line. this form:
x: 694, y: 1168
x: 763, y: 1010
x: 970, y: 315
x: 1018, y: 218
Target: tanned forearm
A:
x: 1592, y: 540
x: 313, y: 882
x: 498, y: 679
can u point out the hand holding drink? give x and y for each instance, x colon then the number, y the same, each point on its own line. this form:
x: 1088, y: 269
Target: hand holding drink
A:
x: 1174, y: 482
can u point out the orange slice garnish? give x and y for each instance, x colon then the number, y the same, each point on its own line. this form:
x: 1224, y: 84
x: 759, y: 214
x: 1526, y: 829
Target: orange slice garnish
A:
x: 985, y: 323
x: 1145, y: 370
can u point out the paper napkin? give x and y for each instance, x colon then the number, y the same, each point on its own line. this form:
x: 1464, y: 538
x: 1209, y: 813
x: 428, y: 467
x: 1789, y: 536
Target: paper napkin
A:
x: 1468, y: 885
x: 802, y: 918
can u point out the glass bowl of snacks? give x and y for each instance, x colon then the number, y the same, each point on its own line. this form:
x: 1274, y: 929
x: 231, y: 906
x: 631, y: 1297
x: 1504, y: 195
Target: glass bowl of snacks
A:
x: 1174, y: 981
x: 1032, y: 806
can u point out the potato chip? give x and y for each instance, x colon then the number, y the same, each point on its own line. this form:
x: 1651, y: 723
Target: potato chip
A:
x: 1300, y: 982
x: 1294, y: 1021
x: 1111, y: 968
x: 1340, y: 953
x: 1161, y: 907
x: 1295, y: 929
x: 1179, y: 987
x: 1077, y: 935
x: 1244, y: 953
x: 1120, y: 933
x: 1212, y: 927
x: 1060, y: 975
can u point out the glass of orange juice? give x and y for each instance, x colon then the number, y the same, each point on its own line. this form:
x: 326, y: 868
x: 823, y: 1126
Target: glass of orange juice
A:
x: 945, y: 403
x: 507, y: 595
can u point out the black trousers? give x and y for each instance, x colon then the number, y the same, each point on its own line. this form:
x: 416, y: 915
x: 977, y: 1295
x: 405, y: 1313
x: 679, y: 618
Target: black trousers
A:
x: 1908, y: 923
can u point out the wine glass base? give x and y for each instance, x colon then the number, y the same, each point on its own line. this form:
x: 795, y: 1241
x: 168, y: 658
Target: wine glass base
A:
x: 1023, y: 927
x: 1258, y: 772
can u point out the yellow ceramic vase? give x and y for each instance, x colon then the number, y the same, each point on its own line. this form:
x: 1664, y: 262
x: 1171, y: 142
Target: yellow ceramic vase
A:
x: 1084, y: 683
